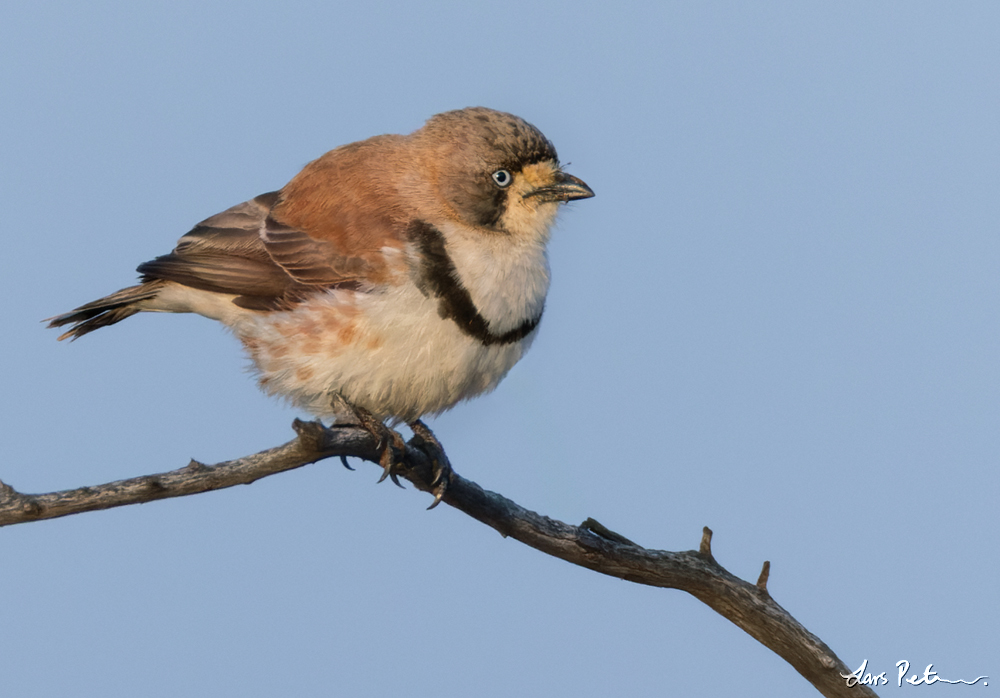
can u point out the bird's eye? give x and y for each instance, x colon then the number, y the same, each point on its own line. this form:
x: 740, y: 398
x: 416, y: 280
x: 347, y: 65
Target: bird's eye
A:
x: 503, y: 178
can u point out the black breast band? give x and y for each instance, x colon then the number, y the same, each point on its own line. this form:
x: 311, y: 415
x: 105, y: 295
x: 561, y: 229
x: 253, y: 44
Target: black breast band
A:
x: 439, y: 278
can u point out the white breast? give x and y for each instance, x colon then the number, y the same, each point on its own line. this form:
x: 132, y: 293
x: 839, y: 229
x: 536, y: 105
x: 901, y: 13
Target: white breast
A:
x: 388, y: 351
x: 507, y: 276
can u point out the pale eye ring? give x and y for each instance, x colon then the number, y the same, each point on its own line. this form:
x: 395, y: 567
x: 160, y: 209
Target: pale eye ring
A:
x: 502, y: 178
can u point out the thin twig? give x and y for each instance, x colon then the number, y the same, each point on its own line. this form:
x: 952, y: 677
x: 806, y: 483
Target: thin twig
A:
x: 590, y: 545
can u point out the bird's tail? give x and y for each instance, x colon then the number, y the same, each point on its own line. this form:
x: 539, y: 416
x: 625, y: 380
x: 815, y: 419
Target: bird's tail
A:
x: 106, y: 311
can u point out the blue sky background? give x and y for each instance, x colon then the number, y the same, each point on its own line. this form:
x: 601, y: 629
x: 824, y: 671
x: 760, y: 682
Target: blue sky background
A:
x: 778, y: 318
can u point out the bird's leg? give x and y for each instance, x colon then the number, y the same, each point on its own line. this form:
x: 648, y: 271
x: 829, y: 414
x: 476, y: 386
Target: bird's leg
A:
x: 442, y: 470
x: 387, y: 441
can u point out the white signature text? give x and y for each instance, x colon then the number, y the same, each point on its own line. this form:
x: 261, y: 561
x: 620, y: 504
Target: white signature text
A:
x: 866, y: 678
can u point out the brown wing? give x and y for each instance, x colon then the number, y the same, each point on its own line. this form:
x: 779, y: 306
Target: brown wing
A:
x: 225, y: 254
x: 244, y: 252
x: 308, y: 260
x: 335, y: 219
x: 327, y: 227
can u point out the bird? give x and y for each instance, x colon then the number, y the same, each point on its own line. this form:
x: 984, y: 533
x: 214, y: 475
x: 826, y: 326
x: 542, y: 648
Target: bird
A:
x: 390, y: 279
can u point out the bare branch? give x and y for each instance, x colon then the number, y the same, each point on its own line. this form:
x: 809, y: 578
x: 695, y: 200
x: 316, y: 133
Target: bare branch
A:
x: 765, y: 572
x: 589, y: 545
x: 705, y: 547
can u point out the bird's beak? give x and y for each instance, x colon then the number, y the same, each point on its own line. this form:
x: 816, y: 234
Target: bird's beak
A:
x: 565, y: 187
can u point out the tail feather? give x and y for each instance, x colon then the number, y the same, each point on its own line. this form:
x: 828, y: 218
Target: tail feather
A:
x: 106, y: 311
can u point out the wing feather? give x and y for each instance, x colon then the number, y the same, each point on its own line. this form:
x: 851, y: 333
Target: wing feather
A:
x: 245, y: 252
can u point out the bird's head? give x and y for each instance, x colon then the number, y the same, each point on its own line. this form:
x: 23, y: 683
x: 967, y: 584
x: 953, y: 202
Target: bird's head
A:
x: 494, y: 171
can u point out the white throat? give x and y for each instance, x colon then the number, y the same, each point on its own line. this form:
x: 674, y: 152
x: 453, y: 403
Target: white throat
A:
x: 506, y: 276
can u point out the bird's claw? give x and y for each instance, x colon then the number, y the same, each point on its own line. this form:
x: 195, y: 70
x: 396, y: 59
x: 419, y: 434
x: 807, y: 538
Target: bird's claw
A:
x: 441, y: 466
x: 388, y: 442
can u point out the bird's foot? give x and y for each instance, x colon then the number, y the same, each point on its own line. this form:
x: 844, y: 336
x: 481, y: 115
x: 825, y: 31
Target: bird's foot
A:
x: 388, y: 442
x: 428, y: 443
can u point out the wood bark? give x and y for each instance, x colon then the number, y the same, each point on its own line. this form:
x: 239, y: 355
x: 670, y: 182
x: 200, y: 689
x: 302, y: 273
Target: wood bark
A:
x: 590, y: 545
